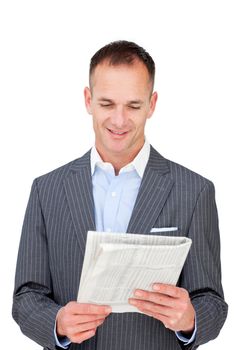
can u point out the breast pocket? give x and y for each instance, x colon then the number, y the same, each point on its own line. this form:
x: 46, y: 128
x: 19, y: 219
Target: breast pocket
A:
x: 166, y: 231
x: 163, y: 229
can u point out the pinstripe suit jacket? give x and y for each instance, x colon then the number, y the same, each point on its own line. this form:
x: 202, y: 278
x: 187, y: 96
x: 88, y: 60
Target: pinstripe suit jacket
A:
x: 60, y: 211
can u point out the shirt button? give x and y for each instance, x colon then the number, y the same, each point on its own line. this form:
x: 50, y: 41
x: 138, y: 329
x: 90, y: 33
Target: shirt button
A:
x: 113, y: 194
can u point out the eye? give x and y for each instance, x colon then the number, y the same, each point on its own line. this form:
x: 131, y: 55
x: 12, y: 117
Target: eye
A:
x: 106, y: 105
x: 134, y: 107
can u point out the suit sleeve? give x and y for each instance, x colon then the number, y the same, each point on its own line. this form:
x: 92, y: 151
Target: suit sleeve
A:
x: 201, y: 275
x: 33, y: 307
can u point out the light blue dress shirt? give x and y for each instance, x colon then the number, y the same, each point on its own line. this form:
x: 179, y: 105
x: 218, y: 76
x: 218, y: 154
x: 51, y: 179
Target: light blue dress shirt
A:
x: 114, y: 196
x: 114, y: 199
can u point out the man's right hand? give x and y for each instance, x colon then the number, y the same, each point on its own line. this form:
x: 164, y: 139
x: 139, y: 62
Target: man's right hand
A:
x: 79, y: 322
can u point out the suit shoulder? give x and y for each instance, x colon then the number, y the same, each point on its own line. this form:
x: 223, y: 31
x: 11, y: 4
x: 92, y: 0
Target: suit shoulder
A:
x: 187, y: 176
x: 58, y: 174
x: 179, y: 173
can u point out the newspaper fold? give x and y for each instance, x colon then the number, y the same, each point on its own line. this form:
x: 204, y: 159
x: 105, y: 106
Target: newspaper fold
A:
x: 115, y: 264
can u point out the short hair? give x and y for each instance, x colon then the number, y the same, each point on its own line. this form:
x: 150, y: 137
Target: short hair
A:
x: 123, y: 52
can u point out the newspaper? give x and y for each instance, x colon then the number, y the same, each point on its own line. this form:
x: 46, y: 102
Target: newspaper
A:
x: 115, y: 264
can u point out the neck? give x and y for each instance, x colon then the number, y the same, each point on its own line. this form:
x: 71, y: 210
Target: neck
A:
x: 119, y: 160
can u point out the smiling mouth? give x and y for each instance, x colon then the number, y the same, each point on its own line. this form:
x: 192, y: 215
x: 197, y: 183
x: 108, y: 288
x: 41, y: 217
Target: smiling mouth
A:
x: 118, y: 133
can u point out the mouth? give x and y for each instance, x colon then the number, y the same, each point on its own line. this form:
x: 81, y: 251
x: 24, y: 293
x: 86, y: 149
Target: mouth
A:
x: 117, y: 133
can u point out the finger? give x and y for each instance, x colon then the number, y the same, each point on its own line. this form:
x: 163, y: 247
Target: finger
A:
x: 170, y: 290
x: 144, y: 305
x: 156, y: 298
x: 83, y: 327
x: 77, y: 319
x: 81, y: 337
x: 167, y: 322
x: 79, y: 308
x: 164, y: 319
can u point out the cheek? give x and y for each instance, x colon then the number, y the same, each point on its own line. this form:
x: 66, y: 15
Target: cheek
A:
x: 140, y: 121
x: 99, y: 122
x: 95, y: 124
x: 97, y: 118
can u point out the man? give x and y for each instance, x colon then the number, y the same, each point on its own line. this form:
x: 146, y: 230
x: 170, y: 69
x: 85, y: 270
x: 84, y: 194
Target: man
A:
x: 123, y: 185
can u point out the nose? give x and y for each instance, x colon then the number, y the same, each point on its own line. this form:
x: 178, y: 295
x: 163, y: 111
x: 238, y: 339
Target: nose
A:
x: 119, y: 118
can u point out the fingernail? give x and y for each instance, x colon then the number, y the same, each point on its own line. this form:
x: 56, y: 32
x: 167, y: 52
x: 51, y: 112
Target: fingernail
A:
x: 132, y: 302
x: 138, y: 293
x: 156, y: 287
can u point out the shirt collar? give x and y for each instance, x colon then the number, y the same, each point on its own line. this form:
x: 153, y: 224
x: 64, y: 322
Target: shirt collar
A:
x: 139, y: 162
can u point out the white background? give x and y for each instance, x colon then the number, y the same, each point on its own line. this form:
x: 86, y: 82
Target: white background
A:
x: 45, y: 51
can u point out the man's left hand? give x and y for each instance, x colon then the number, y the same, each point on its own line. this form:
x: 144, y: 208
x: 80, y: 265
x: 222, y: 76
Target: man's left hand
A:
x: 169, y: 304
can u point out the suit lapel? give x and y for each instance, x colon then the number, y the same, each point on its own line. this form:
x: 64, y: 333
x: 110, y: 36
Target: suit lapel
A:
x: 154, y: 190
x: 78, y: 187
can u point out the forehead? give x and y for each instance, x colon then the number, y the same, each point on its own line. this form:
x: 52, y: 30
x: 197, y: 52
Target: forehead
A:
x: 122, y: 76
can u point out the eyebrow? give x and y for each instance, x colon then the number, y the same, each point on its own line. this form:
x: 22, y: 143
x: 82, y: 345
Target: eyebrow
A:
x: 135, y: 102
x: 132, y: 102
x: 104, y: 99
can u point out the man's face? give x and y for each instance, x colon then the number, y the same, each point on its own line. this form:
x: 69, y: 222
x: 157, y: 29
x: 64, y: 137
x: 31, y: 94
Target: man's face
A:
x: 120, y: 102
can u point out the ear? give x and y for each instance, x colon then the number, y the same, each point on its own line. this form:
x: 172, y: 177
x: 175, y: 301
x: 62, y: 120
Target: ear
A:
x: 88, y: 99
x: 153, y: 101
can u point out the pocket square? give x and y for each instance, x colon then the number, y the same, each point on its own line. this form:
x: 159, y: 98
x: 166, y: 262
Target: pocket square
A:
x: 163, y: 229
